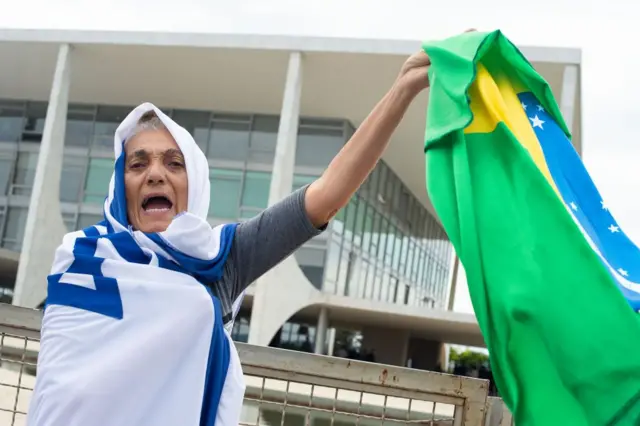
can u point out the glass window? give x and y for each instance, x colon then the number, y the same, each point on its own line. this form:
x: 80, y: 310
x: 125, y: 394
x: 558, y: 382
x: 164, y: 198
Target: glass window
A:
x: 79, y: 125
x: 367, y: 233
x: 197, y: 123
x: 6, y: 167
x: 311, y: 261
x: 11, y: 121
x: 98, y: 176
x: 358, y: 226
x: 331, y: 270
x: 383, y: 241
x: 72, y: 177
x: 86, y: 220
x: 25, y: 172
x: 316, y: 146
x: 256, y: 190
x: 351, y: 212
x: 69, y: 220
x: 229, y: 141
x: 375, y: 232
x: 14, y: 228
x: 36, y: 115
x: 389, y: 191
x: 108, y: 119
x: 240, y: 331
x: 265, y: 132
x: 301, y: 180
x: 225, y: 193
x: 324, y: 122
x: 263, y: 138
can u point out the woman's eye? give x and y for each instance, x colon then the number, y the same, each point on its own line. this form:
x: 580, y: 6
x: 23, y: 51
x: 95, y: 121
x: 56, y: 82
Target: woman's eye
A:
x: 176, y: 164
x: 136, y: 166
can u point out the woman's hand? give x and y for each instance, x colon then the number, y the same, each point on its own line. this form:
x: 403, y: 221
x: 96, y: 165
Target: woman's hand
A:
x: 413, y: 76
x: 359, y: 156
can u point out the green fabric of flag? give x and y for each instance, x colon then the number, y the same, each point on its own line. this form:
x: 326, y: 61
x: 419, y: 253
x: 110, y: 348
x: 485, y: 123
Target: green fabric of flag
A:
x: 564, y: 341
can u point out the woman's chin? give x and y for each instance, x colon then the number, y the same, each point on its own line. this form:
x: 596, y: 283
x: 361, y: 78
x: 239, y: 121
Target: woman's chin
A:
x: 150, y: 226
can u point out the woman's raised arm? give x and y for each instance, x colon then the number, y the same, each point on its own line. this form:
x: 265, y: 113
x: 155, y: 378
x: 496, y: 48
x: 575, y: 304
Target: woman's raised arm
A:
x: 350, y: 168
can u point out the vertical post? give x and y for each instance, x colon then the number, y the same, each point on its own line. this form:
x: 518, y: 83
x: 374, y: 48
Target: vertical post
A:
x: 568, y: 94
x: 263, y: 322
x: 285, y: 155
x: 332, y: 341
x: 454, y: 282
x: 45, y: 228
x: 321, y: 331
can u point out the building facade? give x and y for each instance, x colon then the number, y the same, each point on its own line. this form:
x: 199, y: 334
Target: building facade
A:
x: 378, y: 280
x: 383, y: 246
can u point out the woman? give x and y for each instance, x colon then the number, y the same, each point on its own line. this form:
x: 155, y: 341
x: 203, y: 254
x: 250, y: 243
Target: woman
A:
x: 134, y: 329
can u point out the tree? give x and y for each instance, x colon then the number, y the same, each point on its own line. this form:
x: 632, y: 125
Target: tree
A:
x: 468, y: 358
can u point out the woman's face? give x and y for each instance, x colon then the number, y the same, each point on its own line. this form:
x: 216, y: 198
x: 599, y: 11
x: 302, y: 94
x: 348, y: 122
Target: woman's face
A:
x: 155, y: 180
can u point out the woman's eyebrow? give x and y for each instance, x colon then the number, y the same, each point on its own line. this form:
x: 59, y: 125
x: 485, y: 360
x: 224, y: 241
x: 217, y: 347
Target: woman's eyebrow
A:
x: 173, y: 151
x: 139, y: 154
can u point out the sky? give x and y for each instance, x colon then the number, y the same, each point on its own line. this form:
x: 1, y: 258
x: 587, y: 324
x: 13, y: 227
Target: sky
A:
x: 607, y: 35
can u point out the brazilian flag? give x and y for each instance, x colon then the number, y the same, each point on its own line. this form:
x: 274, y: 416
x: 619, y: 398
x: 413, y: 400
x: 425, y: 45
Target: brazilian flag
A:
x: 554, y: 281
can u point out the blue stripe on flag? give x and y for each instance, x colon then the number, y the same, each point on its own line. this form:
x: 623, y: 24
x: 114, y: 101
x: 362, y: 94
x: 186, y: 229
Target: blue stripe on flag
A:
x: 105, y: 299
x: 217, y: 367
x: 583, y: 199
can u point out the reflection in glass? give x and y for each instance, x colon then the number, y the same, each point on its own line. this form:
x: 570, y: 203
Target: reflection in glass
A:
x: 71, y: 178
x: 301, y: 180
x: 196, y: 123
x: 79, y: 126
x: 229, y: 141
x: 98, y: 177
x: 86, y: 220
x: 311, y: 261
x: 225, y: 187
x: 317, y: 146
x: 11, y: 121
x: 69, y: 220
x: 14, y: 228
x: 264, y: 135
x: 240, y: 331
x: 6, y: 167
x: 108, y: 118
x: 386, y: 246
x: 256, y: 189
x: 34, y: 126
x: 25, y: 173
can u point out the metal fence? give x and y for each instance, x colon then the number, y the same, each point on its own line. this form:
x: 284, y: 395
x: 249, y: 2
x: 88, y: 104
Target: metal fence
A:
x: 288, y: 388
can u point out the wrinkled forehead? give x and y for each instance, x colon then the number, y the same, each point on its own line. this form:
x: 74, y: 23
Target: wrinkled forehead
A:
x: 151, y: 142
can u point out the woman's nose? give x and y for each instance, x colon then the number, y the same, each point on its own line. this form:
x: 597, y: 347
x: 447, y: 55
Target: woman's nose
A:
x: 156, y: 174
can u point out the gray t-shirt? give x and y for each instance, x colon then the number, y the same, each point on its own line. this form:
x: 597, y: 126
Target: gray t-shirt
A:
x: 260, y: 244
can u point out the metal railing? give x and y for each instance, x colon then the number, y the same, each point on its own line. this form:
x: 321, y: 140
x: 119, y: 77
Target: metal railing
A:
x: 288, y: 388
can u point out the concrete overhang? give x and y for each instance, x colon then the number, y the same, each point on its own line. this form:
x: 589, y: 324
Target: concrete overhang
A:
x: 343, y: 78
x: 352, y: 313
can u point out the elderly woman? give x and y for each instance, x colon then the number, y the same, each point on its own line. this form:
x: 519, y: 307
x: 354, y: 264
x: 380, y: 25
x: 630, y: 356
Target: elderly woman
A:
x: 134, y: 328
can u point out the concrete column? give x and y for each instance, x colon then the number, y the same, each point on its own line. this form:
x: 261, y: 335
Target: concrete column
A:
x: 332, y: 341
x: 453, y: 284
x: 45, y: 228
x: 285, y: 156
x: 284, y: 290
x: 568, y: 94
x: 444, y: 357
x: 321, y: 330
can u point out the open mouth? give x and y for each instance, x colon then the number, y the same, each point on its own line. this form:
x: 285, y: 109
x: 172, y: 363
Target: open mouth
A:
x: 156, y: 203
